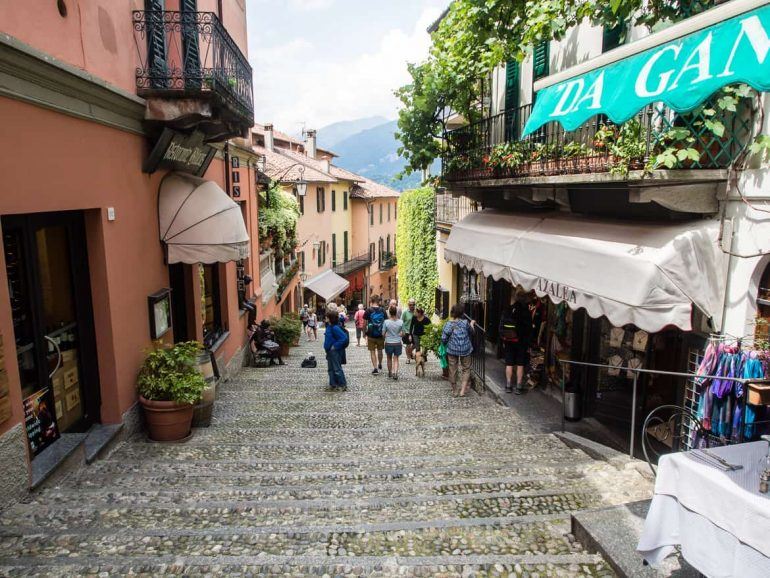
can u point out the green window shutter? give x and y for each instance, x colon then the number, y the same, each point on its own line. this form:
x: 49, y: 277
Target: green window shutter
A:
x: 540, y: 59
x: 334, y: 200
x: 345, y: 245
x: 613, y: 37
x: 512, y: 76
x: 334, y: 241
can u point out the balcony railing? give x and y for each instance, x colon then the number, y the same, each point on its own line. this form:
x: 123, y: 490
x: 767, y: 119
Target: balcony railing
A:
x: 352, y: 265
x: 450, y: 209
x: 387, y: 261
x: 191, y: 54
x: 491, y: 148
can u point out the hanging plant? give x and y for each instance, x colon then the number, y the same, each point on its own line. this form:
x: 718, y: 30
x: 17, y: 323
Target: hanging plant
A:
x: 278, y: 216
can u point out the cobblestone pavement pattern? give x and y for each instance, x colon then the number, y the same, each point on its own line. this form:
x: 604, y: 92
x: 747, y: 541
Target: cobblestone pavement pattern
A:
x: 391, y: 478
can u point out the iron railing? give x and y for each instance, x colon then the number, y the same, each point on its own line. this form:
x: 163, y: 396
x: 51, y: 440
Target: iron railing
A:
x: 191, y: 54
x: 471, y: 151
x: 450, y: 210
x: 479, y: 355
x: 387, y: 261
x: 353, y: 264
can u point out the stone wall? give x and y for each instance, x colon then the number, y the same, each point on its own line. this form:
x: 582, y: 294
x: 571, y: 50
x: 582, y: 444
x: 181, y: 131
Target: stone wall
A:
x: 14, y: 480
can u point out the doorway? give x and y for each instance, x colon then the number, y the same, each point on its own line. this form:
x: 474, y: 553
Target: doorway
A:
x: 52, y: 312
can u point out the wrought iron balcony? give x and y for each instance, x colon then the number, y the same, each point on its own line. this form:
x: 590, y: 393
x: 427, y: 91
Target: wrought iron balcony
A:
x: 191, y: 55
x: 352, y: 265
x: 387, y: 261
x: 492, y: 149
x: 451, y: 209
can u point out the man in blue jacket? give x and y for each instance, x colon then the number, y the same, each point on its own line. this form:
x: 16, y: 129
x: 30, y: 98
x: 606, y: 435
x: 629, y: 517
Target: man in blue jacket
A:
x: 336, y: 339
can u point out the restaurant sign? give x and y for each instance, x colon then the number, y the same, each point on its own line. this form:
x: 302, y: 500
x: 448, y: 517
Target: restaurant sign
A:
x: 181, y: 152
x: 558, y: 291
x: 681, y: 73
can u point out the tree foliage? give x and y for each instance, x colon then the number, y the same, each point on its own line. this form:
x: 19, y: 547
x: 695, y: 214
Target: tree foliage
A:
x: 278, y: 216
x: 416, y: 247
x: 478, y: 35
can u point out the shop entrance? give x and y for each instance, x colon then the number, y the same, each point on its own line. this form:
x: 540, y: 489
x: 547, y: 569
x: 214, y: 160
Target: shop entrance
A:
x: 50, y: 295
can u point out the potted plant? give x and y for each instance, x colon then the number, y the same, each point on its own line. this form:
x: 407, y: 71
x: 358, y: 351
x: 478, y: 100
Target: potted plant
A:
x: 287, y: 330
x: 169, y: 384
x: 295, y: 317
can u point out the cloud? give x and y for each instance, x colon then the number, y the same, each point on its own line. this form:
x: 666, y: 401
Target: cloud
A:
x: 309, y: 5
x: 298, y: 82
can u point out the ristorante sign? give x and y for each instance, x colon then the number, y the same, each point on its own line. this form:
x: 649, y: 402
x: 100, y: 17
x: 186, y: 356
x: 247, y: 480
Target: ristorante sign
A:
x: 682, y: 73
x: 177, y: 151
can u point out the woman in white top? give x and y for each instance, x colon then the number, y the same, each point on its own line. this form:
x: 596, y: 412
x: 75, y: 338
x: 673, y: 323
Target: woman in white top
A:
x: 393, y: 329
x: 312, y: 326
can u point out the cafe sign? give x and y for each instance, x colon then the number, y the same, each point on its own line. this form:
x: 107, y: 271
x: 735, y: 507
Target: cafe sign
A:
x: 181, y: 152
x: 681, y: 73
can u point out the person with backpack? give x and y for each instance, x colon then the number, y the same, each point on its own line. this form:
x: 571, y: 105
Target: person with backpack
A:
x: 336, y: 340
x: 375, y: 336
x: 393, y: 329
x: 456, y: 337
x: 516, y: 334
x: 360, y: 324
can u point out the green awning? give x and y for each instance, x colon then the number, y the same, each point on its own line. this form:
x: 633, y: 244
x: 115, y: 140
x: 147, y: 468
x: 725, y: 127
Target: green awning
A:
x: 681, y: 73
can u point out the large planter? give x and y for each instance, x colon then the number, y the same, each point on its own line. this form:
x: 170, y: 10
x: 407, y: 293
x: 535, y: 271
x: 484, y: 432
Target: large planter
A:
x: 284, y: 350
x: 167, y: 421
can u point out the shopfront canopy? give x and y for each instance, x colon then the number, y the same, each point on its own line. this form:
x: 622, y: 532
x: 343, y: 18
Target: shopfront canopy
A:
x: 199, y: 223
x: 327, y: 285
x: 725, y: 45
x: 649, y: 275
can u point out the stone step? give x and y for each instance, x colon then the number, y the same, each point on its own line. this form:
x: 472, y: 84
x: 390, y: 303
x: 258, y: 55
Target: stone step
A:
x: 548, y: 537
x: 341, y: 403
x: 212, y: 491
x: 290, y: 514
x: 251, y: 450
x: 541, y: 566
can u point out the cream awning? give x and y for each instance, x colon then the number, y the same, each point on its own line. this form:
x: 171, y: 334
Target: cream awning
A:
x: 199, y: 223
x: 327, y: 285
x: 646, y: 274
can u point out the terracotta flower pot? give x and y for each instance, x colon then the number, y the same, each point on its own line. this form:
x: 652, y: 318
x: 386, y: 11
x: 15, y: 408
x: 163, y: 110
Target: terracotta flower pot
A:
x: 167, y: 421
x: 284, y: 351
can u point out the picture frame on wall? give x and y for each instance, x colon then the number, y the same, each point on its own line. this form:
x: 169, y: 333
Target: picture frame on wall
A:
x: 159, y: 305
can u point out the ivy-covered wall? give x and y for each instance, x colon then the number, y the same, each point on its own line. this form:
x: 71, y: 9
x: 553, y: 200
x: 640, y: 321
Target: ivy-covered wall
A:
x: 416, y: 247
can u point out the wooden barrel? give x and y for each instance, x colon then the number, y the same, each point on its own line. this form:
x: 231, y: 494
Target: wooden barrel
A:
x: 202, y: 414
x: 206, y: 369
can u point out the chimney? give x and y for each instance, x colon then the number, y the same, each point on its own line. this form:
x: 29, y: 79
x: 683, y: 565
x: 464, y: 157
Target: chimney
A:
x: 269, y: 140
x: 310, y: 148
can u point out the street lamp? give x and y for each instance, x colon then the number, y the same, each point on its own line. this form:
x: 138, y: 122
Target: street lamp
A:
x: 301, y: 182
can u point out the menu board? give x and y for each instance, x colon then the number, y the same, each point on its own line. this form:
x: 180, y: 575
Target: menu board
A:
x: 39, y: 420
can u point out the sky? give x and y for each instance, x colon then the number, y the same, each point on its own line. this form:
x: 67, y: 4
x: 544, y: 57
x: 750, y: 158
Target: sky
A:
x: 317, y: 62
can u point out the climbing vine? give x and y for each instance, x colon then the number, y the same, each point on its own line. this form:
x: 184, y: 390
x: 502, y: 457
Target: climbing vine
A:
x: 278, y: 216
x: 416, y: 247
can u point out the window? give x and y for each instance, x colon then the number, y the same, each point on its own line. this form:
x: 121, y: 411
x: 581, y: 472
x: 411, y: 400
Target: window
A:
x: 320, y: 200
x: 512, y: 88
x: 381, y: 249
x: 322, y: 253
x: 371, y: 252
x: 540, y: 56
x: 345, y: 245
x: 387, y: 250
x: 334, y: 200
x: 388, y: 212
x: 211, y: 315
x: 380, y: 213
x: 345, y: 200
x: 334, y: 242
x: 302, y: 261
x: 395, y: 210
x: 301, y: 201
x: 371, y: 215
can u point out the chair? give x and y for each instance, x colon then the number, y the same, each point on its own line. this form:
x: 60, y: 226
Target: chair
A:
x: 670, y: 428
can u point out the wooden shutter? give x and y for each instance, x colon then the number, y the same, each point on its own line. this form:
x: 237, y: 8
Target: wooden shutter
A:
x: 613, y: 37
x: 512, y: 85
x: 540, y: 57
x: 334, y: 200
x: 334, y: 241
x: 345, y: 245
x: 318, y: 199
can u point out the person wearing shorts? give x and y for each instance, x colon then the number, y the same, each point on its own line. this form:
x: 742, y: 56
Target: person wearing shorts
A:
x: 375, y: 338
x: 394, y: 331
x: 360, y: 324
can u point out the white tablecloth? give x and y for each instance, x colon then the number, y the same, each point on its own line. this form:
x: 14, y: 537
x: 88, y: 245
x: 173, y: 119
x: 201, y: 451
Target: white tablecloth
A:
x: 719, y: 518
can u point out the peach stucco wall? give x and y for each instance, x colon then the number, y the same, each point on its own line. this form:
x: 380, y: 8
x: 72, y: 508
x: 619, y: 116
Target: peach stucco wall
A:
x: 314, y: 227
x: 364, y: 234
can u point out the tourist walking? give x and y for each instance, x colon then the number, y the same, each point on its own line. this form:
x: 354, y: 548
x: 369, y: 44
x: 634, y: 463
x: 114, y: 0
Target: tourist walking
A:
x: 360, y: 324
x: 312, y: 326
x: 336, y: 340
x: 407, y: 316
x: 375, y: 338
x: 419, y: 323
x: 394, y: 332
x: 516, y: 334
x: 304, y: 313
x: 457, y: 339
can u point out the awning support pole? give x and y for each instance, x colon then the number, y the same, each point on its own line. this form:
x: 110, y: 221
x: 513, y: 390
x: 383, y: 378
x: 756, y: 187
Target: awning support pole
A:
x: 633, y: 417
x: 563, y: 399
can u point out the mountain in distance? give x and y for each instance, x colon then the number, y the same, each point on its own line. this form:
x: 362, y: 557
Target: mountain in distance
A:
x: 373, y: 153
x: 329, y: 136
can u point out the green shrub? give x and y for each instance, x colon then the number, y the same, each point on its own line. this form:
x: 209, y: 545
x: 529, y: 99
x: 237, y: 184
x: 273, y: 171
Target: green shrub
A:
x: 432, y: 338
x: 287, y: 329
x: 171, y: 374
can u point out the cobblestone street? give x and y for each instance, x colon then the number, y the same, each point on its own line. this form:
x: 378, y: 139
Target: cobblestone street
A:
x: 392, y: 478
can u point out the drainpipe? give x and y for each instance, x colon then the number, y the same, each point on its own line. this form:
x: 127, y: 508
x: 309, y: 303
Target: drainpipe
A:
x: 227, y: 168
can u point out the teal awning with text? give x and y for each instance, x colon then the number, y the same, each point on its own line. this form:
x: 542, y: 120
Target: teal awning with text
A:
x: 681, y: 73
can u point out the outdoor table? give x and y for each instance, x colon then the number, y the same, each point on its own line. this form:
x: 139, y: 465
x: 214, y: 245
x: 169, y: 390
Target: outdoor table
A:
x: 719, y: 518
